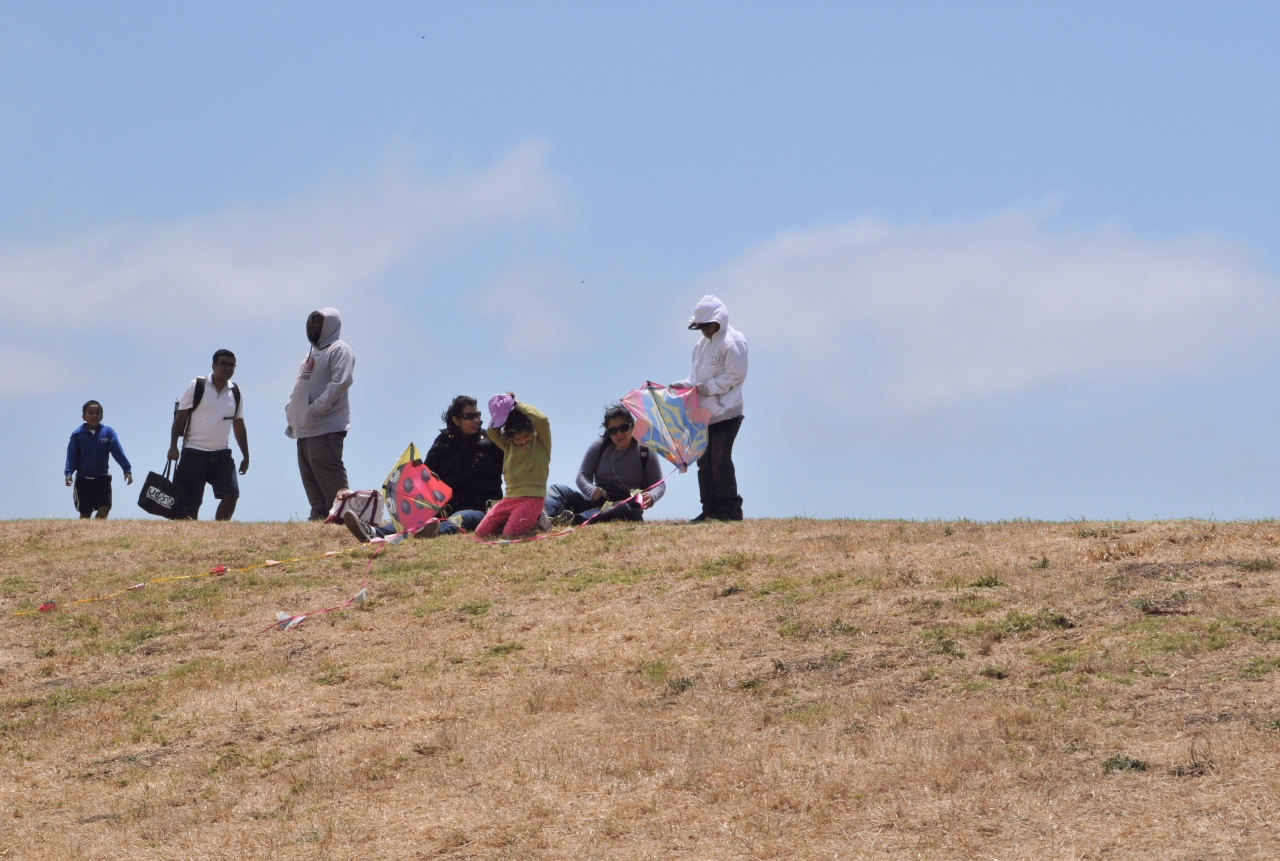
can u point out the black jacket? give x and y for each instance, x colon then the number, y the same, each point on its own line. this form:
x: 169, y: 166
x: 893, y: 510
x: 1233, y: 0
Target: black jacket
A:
x: 471, y: 467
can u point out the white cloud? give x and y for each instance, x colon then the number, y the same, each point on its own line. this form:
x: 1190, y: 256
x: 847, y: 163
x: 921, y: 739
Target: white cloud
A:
x: 31, y: 372
x: 539, y: 306
x: 913, y: 318
x: 258, y: 262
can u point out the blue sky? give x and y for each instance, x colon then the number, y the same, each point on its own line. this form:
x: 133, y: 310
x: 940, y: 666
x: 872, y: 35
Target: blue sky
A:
x: 993, y: 260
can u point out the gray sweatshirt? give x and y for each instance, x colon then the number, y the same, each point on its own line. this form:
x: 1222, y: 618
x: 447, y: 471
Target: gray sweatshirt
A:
x: 618, y: 473
x: 319, y: 402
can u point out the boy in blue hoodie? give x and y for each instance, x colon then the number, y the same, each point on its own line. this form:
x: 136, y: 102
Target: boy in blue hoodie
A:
x: 88, y: 457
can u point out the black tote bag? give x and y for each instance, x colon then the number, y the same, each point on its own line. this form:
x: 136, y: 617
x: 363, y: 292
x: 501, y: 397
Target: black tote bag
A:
x: 160, y: 495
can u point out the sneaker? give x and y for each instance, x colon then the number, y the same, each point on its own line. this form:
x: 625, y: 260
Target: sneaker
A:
x: 357, y: 527
x: 701, y: 518
x: 428, y: 529
x: 563, y: 520
x: 543, y: 524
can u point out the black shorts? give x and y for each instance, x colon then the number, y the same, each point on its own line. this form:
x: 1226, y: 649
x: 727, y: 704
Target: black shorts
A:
x: 90, y: 494
x: 196, y: 468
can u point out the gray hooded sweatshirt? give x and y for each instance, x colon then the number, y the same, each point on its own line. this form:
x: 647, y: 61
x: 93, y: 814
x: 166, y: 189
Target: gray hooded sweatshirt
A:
x: 319, y: 402
x: 719, y: 362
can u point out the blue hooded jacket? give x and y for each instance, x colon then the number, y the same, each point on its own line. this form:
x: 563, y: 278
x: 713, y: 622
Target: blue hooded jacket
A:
x: 87, y: 452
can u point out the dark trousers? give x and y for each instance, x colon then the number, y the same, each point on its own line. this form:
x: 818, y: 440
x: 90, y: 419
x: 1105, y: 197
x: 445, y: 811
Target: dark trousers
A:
x: 196, y: 468
x: 90, y: 494
x: 323, y: 473
x: 717, y: 480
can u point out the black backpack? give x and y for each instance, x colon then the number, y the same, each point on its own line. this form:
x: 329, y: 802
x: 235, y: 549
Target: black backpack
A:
x: 198, y: 397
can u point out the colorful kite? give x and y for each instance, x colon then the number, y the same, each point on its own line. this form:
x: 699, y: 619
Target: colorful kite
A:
x: 414, y: 494
x: 670, y: 422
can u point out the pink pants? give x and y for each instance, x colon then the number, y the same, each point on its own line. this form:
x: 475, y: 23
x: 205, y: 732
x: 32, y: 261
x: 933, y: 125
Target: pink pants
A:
x: 515, y: 515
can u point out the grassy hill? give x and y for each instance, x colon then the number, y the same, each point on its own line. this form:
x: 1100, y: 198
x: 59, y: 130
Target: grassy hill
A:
x: 768, y: 689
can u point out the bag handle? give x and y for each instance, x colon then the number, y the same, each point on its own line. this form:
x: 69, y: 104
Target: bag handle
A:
x: 168, y: 468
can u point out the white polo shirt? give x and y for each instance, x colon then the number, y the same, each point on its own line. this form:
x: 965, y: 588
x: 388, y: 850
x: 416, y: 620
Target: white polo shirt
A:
x: 211, y: 421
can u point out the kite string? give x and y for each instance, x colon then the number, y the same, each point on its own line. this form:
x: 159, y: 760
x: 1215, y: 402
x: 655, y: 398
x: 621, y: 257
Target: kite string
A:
x: 216, y: 571
x: 571, y: 529
x: 285, y: 622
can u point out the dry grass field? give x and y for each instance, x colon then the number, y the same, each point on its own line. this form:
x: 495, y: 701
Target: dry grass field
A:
x: 768, y: 689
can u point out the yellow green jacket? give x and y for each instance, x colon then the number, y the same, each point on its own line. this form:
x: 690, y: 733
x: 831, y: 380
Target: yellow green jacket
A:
x: 525, y: 470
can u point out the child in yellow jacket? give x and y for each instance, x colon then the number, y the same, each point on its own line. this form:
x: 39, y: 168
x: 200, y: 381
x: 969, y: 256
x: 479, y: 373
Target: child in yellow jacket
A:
x: 524, y: 435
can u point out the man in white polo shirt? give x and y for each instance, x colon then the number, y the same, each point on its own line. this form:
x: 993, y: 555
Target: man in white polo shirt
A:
x: 208, y: 411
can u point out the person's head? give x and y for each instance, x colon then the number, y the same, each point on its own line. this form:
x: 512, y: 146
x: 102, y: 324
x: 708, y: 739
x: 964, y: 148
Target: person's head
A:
x: 618, y: 425
x: 315, y: 323
x: 224, y: 365
x: 709, y: 316
x: 91, y: 412
x: 463, y: 417
x: 518, y: 429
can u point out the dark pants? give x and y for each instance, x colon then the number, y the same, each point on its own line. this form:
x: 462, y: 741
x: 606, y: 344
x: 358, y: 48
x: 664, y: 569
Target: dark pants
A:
x: 197, y: 468
x: 561, y: 497
x: 717, y: 480
x: 323, y: 474
x: 90, y: 494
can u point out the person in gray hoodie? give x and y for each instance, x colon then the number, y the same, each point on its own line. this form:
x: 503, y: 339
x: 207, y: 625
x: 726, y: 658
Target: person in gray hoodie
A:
x: 319, y: 413
x: 719, y: 370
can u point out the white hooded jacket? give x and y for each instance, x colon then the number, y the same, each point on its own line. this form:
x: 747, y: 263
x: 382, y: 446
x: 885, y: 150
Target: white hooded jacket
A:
x: 719, y: 362
x: 319, y: 403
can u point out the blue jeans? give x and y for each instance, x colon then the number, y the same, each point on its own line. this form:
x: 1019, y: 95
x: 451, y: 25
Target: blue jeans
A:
x: 561, y: 497
x: 463, y: 520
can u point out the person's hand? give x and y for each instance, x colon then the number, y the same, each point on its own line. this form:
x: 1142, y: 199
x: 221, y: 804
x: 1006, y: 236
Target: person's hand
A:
x: 68, y: 481
x: 646, y: 500
x: 128, y: 478
x: 244, y: 464
x: 174, y: 454
x: 597, y: 494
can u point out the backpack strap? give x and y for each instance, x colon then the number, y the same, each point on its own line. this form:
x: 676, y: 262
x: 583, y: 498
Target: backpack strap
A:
x: 235, y: 391
x: 644, y: 455
x: 195, y: 402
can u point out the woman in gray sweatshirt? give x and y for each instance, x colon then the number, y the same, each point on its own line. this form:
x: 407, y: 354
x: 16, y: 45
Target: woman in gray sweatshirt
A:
x: 615, y: 467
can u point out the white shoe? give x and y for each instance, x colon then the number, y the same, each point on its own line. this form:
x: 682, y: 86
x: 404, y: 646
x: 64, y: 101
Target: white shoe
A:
x: 543, y: 524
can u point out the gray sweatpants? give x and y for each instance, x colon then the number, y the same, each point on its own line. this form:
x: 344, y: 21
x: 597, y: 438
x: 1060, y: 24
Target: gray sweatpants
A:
x: 323, y: 474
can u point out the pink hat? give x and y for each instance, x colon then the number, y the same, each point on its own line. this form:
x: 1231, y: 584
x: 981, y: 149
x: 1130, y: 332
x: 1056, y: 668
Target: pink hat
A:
x: 500, y: 406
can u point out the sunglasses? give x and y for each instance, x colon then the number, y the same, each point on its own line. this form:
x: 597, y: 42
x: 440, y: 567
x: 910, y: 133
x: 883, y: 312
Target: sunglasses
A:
x: 469, y: 416
x: 614, y: 430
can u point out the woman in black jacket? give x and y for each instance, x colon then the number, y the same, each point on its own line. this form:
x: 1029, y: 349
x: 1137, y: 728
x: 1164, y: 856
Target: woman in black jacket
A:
x: 467, y: 461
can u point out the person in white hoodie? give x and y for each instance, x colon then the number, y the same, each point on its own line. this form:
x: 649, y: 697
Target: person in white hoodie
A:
x: 319, y: 413
x: 719, y: 370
